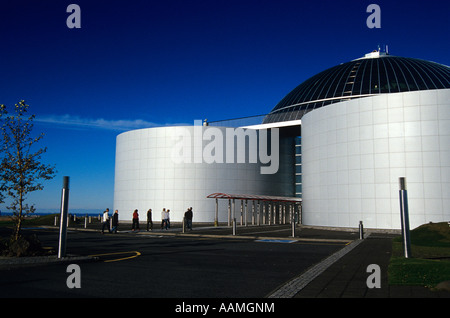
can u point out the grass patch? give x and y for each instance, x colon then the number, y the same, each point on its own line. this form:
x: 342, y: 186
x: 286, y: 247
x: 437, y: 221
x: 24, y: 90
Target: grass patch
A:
x: 421, y: 272
x: 41, y: 220
x: 30, y: 221
x: 430, y: 262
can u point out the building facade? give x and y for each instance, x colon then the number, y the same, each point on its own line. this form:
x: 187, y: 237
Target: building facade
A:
x: 354, y: 153
x: 345, y: 136
x: 178, y: 167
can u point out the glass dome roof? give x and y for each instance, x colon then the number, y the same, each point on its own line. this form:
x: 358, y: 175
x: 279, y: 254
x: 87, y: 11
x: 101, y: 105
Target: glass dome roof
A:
x: 377, y: 73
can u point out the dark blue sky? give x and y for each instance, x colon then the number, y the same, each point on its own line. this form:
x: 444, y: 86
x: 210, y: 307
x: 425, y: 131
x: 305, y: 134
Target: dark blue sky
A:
x: 137, y: 64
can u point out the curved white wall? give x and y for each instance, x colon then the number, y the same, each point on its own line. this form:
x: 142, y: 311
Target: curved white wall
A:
x: 355, y: 151
x: 147, y: 176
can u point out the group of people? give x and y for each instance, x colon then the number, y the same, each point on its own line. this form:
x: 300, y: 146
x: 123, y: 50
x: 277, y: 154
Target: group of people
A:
x: 165, y: 220
x: 105, y: 221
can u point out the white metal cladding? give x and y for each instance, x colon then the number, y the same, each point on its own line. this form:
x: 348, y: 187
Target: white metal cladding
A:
x: 355, y: 151
x: 147, y: 177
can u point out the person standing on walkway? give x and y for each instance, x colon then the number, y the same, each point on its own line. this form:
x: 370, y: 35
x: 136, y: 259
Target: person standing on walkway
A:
x: 115, y: 221
x: 167, y: 219
x: 105, y: 221
x: 149, y: 220
x: 188, y: 218
x: 163, y: 215
x: 135, y: 225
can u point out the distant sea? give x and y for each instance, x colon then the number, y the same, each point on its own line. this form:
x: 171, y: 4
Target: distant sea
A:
x: 77, y: 212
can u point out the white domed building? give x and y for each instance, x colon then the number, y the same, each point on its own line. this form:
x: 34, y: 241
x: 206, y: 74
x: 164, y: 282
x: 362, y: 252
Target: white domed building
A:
x: 345, y: 136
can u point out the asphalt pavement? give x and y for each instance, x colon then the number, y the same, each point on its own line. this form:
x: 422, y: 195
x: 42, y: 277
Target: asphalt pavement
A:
x: 339, y: 270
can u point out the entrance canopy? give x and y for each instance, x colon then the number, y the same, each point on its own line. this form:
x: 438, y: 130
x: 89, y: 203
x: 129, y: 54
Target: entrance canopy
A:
x: 255, y: 197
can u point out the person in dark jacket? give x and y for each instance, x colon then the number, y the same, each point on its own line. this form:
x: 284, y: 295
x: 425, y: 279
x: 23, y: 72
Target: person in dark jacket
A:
x: 149, y: 220
x: 115, y: 221
x: 188, y: 217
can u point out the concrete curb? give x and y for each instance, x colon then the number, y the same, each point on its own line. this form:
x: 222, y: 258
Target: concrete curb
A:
x: 9, y: 262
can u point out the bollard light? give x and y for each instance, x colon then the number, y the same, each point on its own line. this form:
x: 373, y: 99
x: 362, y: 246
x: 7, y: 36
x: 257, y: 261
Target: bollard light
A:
x: 64, y: 218
x: 404, y: 217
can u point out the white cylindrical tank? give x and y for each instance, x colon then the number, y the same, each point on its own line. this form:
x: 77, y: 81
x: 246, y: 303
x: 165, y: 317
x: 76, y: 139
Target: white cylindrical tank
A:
x: 355, y: 151
x: 177, y: 167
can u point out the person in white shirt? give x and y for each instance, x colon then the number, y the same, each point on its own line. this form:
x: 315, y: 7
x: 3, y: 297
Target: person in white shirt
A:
x: 163, y: 217
x: 167, y: 219
x: 105, y: 221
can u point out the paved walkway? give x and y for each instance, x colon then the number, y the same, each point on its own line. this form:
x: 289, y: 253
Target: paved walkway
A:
x: 347, y: 277
x: 343, y: 274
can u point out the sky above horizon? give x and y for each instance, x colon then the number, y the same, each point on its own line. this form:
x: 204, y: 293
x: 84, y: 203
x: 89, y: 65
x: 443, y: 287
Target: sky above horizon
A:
x: 137, y: 64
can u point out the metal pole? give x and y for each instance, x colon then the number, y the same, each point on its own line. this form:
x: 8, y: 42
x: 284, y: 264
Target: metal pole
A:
x: 404, y: 217
x: 242, y: 209
x: 361, y: 230
x: 264, y: 212
x: 253, y: 212
x: 258, y: 214
x: 299, y: 218
x: 245, y: 212
x: 184, y: 224
x: 275, y: 214
x: 293, y: 224
x: 229, y: 211
x: 216, y: 219
x: 63, y: 221
x: 234, y: 218
x: 291, y: 218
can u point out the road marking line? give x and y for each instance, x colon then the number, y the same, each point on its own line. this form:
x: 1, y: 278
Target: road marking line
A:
x: 275, y: 241
x: 118, y: 259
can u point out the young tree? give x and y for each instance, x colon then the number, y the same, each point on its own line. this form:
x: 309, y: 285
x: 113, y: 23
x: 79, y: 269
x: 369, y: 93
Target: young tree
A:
x: 21, y: 170
x: 2, y: 113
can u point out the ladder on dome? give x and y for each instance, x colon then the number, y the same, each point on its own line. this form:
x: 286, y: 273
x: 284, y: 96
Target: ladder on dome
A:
x: 348, y: 87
